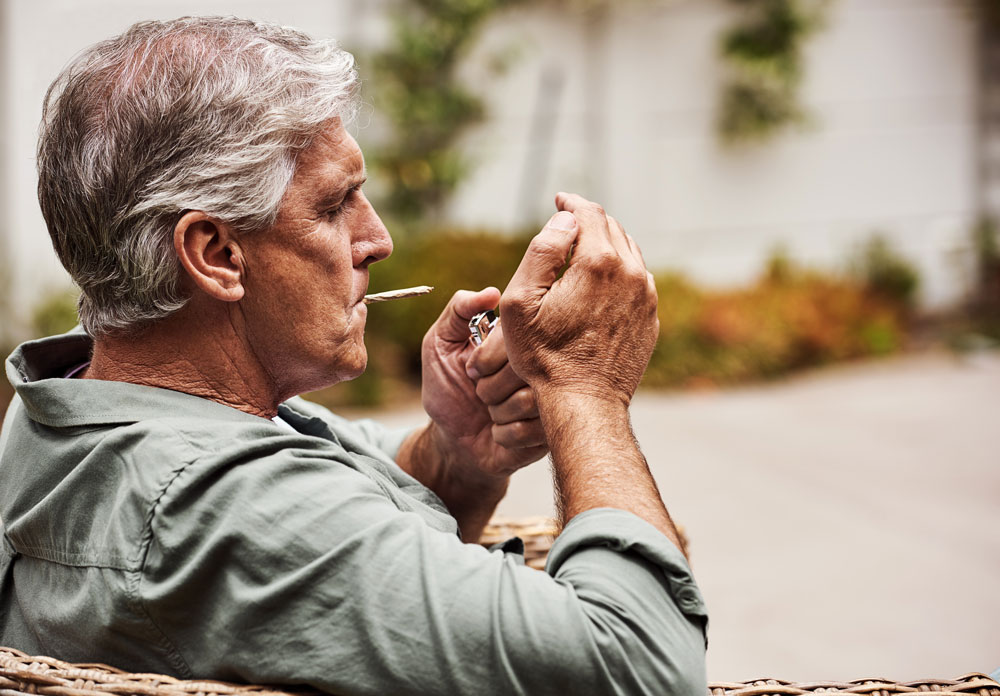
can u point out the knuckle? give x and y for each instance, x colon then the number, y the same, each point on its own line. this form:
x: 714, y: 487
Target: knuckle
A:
x: 515, y: 432
x: 513, y: 305
x: 535, y: 434
x: 484, y: 392
x: 496, y: 414
x: 525, y: 400
x: 475, y: 361
x: 605, y: 260
x: 543, y: 245
x: 517, y: 405
x: 501, y: 434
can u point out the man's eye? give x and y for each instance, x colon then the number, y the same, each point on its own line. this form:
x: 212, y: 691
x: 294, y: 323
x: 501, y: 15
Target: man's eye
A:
x: 335, y: 211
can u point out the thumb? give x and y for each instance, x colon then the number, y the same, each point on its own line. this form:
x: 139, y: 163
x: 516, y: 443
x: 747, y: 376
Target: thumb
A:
x: 453, y: 324
x: 545, y: 256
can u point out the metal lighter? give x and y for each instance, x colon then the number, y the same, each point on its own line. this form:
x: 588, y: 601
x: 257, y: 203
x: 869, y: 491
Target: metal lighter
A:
x: 481, y: 325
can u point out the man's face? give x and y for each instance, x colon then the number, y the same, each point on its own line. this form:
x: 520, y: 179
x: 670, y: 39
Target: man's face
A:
x: 307, y: 275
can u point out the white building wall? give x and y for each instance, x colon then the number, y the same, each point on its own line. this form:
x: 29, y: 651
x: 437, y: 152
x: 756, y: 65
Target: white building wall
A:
x: 892, y: 84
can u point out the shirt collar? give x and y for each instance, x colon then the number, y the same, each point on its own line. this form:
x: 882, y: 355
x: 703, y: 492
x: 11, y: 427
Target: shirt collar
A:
x: 35, y: 371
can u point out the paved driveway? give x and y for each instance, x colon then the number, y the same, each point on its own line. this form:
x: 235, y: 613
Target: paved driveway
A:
x: 843, y: 524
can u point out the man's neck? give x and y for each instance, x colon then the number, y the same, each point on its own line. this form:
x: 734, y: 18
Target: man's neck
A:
x: 189, y: 353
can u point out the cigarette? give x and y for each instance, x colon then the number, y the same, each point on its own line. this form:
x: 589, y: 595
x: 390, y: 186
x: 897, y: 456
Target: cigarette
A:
x: 398, y: 294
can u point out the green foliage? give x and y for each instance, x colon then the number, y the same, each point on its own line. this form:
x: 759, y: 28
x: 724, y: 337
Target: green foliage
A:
x: 782, y: 323
x: 886, y: 273
x: 763, y: 53
x: 987, y: 250
x: 55, y: 314
x: 981, y: 325
x: 427, y: 107
x: 779, y: 268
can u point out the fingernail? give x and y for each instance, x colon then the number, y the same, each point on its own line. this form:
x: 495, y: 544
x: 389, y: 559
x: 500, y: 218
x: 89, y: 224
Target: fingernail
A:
x: 472, y: 372
x: 563, y: 221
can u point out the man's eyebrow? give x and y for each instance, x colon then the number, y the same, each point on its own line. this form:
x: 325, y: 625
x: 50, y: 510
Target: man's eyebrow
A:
x: 338, y: 194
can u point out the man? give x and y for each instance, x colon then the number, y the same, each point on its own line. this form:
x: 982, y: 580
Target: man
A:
x: 169, y: 505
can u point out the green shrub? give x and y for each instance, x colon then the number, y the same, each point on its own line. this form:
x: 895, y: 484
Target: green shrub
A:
x: 885, y: 272
x: 55, y: 314
x: 786, y: 321
x: 987, y: 281
x: 978, y: 326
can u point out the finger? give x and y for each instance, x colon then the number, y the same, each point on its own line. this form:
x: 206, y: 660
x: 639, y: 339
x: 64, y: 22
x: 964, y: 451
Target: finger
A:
x: 453, y: 324
x: 637, y: 252
x: 488, y: 358
x: 533, y: 454
x: 520, y: 405
x: 520, y: 434
x: 620, y: 241
x: 498, y: 387
x: 594, y: 236
x: 634, y: 248
x: 545, y: 256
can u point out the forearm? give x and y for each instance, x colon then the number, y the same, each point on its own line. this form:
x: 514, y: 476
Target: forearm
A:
x: 596, y: 462
x: 470, y: 495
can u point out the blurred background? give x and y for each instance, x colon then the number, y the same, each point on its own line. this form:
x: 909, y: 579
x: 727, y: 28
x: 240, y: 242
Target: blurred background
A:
x: 816, y: 185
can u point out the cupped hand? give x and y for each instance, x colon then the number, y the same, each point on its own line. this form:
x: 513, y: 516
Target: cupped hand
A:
x: 484, y: 414
x: 592, y: 330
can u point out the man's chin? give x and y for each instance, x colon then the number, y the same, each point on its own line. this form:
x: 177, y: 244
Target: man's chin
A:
x: 356, y: 367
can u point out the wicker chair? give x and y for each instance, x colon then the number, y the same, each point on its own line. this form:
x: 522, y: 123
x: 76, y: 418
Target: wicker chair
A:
x: 24, y: 675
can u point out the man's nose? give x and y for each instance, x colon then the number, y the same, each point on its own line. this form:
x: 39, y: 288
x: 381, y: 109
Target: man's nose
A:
x: 372, y: 241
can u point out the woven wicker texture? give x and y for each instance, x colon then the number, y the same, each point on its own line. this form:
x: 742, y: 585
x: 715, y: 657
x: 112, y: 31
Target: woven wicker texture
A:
x: 26, y: 674
x: 974, y: 683
x: 537, y: 533
x: 22, y: 674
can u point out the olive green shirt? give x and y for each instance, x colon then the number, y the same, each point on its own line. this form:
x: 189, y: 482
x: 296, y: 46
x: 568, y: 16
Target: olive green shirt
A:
x: 158, y: 531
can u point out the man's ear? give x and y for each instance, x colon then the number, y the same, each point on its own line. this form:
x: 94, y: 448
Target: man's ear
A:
x: 210, y: 253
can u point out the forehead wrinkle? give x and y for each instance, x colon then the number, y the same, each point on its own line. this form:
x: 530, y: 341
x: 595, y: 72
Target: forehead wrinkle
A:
x: 338, y: 150
x: 325, y: 172
x: 336, y: 177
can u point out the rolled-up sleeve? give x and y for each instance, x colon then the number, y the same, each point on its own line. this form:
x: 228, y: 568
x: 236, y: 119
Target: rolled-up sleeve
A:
x: 297, y: 570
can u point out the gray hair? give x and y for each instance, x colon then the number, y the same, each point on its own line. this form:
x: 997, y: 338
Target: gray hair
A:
x: 198, y: 113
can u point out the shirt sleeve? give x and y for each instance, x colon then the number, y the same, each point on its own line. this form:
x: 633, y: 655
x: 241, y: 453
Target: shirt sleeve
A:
x: 292, y: 569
